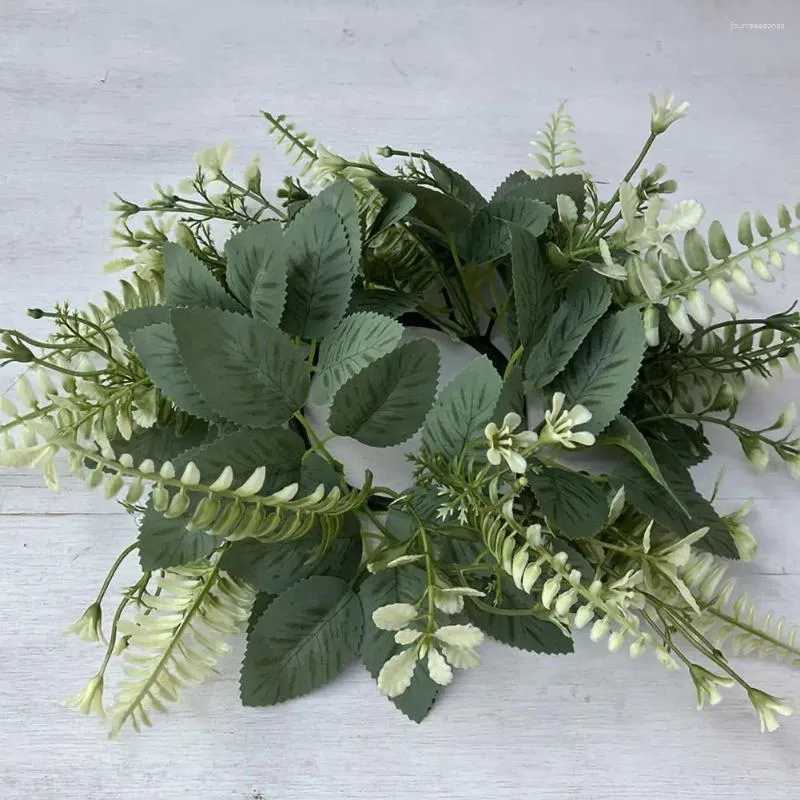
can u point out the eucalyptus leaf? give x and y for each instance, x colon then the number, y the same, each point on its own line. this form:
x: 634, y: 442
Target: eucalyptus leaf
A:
x: 462, y: 409
x: 385, y: 404
x: 247, y: 371
x: 189, y: 282
x: 586, y: 300
x: 303, y: 640
x: 601, y: 374
x: 357, y: 341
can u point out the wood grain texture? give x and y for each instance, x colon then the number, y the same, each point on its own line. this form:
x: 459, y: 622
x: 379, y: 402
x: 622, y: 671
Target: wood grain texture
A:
x: 97, y: 97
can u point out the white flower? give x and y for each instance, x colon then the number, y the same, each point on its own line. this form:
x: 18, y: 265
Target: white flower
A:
x: 328, y: 165
x: 502, y: 443
x: 89, y: 627
x: 401, y: 560
x: 707, y: 685
x: 90, y: 700
x: 396, y: 674
x: 214, y: 158
x: 394, y: 617
x: 682, y: 217
x: 438, y: 669
x: 559, y: 424
x: 767, y: 706
x: 663, y: 112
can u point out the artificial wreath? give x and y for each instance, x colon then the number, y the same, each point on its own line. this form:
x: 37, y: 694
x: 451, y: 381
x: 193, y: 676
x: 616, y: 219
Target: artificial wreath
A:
x: 551, y: 476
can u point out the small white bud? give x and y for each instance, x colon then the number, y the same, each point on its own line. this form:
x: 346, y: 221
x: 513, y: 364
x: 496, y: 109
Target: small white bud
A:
x: 224, y: 481
x: 191, y: 475
x: 253, y: 484
x: 167, y: 470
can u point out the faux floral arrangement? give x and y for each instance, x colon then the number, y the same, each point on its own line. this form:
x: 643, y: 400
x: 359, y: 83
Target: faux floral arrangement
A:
x: 551, y: 485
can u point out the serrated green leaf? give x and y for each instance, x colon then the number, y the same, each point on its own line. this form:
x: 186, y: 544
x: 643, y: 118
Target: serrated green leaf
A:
x: 489, y: 236
x: 321, y: 268
x: 163, y: 442
x: 512, y: 396
x: 527, y: 632
x: 586, y: 300
x: 341, y: 197
x: 689, y: 444
x: 601, y: 374
x: 357, y: 341
x: 189, y: 282
x: 135, y: 318
x: 260, y: 604
x: 303, y: 640
x: 274, y: 567
x: 401, y: 523
x: 454, y: 184
x: 572, y: 501
x: 157, y: 349
x: 545, y: 189
x: 246, y: 371
x: 396, y: 207
x: 257, y: 270
x: 387, y: 302
x: 534, y: 293
x: 385, y: 404
x: 462, y: 409
x: 401, y: 585
x: 316, y: 470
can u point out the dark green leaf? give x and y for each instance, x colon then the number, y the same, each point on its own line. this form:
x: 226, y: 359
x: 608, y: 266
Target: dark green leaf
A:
x: 489, y: 235
x: 545, y: 189
x: 357, y: 341
x: 129, y: 321
x: 321, y: 268
x: 316, y: 470
x: 384, y: 301
x: 263, y: 599
x: 401, y: 585
x: 246, y: 371
x: 601, y: 374
x: 586, y: 300
x: 303, y: 640
x: 385, y: 404
x: 527, y: 632
x: 166, y: 542
x: 163, y: 442
x: 257, y: 270
x: 396, y: 208
x: 189, y: 282
x: 425, y: 503
x: 341, y: 197
x: 572, y: 501
x: 157, y: 349
x: 512, y: 396
x: 689, y: 444
x: 534, y: 293
x: 454, y: 184
x: 462, y: 409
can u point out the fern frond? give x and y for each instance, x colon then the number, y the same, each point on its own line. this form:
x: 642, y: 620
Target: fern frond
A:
x: 177, y: 637
x: 736, y: 623
x: 298, y: 145
x: 558, y: 151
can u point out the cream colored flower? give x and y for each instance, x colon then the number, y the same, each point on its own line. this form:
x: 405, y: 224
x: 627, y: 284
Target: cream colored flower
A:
x: 90, y: 700
x: 503, y: 444
x: 88, y: 628
x: 767, y: 706
x: 559, y: 424
x: 663, y: 113
x: 707, y: 685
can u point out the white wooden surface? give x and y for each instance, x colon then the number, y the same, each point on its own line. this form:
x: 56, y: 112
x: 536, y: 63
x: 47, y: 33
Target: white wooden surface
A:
x: 101, y: 96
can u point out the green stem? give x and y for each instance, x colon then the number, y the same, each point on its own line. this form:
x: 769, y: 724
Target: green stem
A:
x: 753, y: 631
x: 113, y: 571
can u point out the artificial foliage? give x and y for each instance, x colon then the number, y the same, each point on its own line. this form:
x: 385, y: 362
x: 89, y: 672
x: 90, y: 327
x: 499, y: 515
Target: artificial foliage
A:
x: 552, y: 486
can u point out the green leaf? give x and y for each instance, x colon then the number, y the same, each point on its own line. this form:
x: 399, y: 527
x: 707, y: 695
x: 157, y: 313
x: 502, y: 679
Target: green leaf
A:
x: 189, y: 282
x: 512, y: 396
x: 245, y: 370
x: 321, y: 268
x: 157, y: 349
x: 385, y: 404
x: 387, y: 302
x: 601, y: 374
x: 257, y: 270
x: 462, y: 409
x: 545, y: 189
x: 303, y: 640
x: 166, y: 542
x: 534, y: 293
x: 341, y: 197
x: 489, y: 235
x: 453, y: 183
x: 274, y: 567
x: 135, y: 318
x: 260, y: 604
x: 654, y: 502
x: 527, y: 632
x: 401, y: 585
x: 689, y: 444
x: 163, y: 442
x: 316, y: 470
x: 401, y: 523
x: 586, y: 300
x: 434, y: 209
x: 574, y: 502
x: 356, y: 342
x: 396, y: 207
